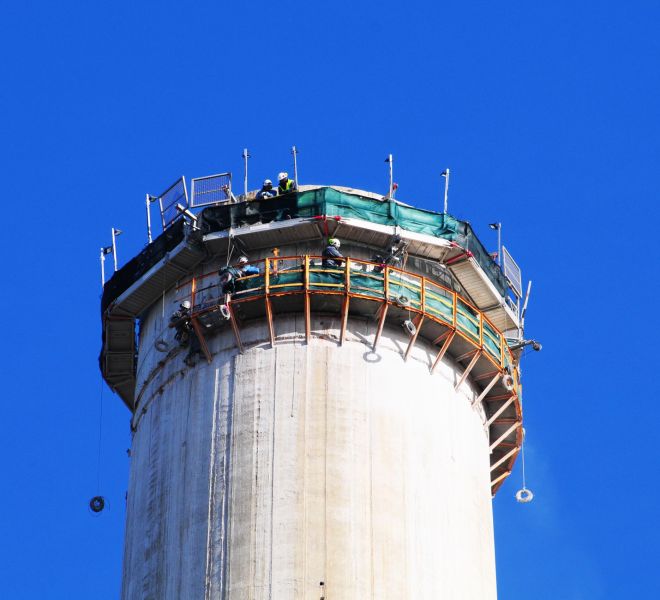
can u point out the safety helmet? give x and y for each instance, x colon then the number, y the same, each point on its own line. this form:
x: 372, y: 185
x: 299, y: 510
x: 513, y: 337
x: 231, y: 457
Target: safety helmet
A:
x: 334, y: 242
x: 282, y: 176
x: 267, y: 182
x: 242, y: 260
x: 186, y: 304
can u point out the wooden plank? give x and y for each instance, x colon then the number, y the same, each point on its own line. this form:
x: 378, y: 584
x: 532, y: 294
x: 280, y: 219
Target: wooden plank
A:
x: 308, y: 318
x: 202, y: 340
x: 234, y: 326
x: 504, y: 458
x: 442, y: 351
x: 498, y: 479
x: 487, y: 389
x: 381, y: 323
x: 505, y: 435
x: 269, y: 316
x: 418, y: 325
x: 344, y: 318
x: 469, y: 368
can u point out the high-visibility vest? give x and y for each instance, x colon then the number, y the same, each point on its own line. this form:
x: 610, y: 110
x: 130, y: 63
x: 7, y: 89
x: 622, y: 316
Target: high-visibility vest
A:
x: 287, y: 188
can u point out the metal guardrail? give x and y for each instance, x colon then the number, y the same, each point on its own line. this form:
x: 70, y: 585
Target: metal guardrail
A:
x: 168, y: 200
x: 210, y: 190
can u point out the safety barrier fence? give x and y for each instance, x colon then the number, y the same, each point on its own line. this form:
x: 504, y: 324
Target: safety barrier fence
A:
x: 419, y: 295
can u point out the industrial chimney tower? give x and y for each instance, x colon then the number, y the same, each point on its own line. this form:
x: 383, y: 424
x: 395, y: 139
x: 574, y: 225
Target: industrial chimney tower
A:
x: 327, y: 432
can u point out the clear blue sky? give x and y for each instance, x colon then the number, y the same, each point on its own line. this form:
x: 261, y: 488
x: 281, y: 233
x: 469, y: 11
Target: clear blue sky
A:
x: 548, y: 118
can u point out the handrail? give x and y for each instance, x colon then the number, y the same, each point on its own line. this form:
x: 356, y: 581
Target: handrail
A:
x: 365, y: 279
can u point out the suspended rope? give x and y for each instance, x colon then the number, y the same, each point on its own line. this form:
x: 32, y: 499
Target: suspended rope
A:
x: 524, y: 495
x: 230, y: 249
x: 98, y: 460
x: 160, y: 344
x: 97, y: 503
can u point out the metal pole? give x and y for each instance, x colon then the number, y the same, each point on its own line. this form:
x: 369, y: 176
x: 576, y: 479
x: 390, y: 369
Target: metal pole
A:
x: 149, y: 219
x: 391, y: 160
x: 294, y: 151
x: 499, y: 244
x: 245, y: 180
x: 445, y: 174
x: 115, y: 233
x: 102, y: 257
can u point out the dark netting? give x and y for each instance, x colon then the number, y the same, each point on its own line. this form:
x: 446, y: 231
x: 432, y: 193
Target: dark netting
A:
x: 140, y: 264
x: 218, y: 218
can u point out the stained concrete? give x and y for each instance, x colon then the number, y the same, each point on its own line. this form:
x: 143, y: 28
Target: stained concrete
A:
x: 264, y: 474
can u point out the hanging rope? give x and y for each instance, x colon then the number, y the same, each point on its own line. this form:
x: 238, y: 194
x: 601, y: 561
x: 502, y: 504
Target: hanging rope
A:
x: 524, y: 495
x: 97, y: 503
x: 230, y: 249
x: 100, y: 440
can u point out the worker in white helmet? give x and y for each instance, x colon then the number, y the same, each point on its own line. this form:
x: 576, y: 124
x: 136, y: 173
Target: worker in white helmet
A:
x: 244, y: 268
x: 180, y: 320
x: 286, y: 185
x: 266, y: 190
x: 230, y: 275
x: 332, y: 258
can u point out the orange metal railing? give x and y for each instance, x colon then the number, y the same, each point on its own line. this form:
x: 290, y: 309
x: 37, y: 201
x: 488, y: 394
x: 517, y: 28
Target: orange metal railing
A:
x: 356, y: 278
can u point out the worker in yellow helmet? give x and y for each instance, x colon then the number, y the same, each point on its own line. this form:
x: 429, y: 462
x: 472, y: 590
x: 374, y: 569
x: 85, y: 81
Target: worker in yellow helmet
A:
x: 286, y: 185
x: 332, y: 258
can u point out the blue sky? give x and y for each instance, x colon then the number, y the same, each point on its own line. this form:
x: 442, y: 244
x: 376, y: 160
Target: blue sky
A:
x: 548, y: 118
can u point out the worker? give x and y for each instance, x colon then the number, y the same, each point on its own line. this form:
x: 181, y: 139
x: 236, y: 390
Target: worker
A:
x: 286, y: 185
x: 181, y: 320
x: 244, y: 268
x: 266, y: 190
x: 229, y: 275
x: 332, y: 258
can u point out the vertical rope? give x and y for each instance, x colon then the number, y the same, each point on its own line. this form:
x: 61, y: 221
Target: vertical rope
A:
x: 98, y: 460
x: 522, y: 454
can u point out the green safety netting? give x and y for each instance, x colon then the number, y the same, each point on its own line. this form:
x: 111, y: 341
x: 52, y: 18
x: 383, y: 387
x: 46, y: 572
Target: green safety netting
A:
x: 325, y: 201
x: 331, y: 202
x: 404, y: 290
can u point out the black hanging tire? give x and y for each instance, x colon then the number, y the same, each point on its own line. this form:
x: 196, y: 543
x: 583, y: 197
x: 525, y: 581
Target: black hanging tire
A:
x: 97, y: 504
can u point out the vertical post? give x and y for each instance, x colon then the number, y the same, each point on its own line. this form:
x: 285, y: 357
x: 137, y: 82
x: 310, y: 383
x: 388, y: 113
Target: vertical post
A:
x: 502, y: 342
x: 148, y: 204
x: 423, y: 298
x: 245, y: 178
x: 390, y: 160
x: 498, y: 227
x: 267, y: 275
x: 308, y: 319
x: 115, y: 233
x: 445, y: 174
x: 102, y: 257
x: 294, y: 151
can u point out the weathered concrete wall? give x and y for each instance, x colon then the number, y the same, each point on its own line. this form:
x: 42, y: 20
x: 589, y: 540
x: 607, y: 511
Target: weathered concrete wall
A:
x: 263, y: 474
